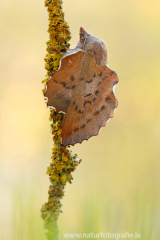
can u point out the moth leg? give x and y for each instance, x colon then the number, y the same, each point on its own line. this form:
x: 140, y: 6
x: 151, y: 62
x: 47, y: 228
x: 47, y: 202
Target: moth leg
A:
x: 67, y: 49
x: 62, y: 53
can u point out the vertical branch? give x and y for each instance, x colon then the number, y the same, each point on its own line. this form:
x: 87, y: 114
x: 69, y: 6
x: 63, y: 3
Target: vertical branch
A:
x: 63, y: 162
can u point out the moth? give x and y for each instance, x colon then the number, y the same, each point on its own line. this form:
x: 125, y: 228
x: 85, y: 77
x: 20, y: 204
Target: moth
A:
x: 82, y: 88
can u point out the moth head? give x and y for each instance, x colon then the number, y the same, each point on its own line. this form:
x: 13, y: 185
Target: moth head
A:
x: 89, y: 42
x: 86, y: 38
x: 83, y: 35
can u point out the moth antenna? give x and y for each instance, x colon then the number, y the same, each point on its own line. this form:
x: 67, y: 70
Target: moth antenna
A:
x: 84, y: 43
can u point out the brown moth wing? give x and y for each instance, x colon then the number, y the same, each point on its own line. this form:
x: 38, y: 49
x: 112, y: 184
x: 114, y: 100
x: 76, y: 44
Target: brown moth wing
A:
x: 92, y: 104
x: 62, y: 83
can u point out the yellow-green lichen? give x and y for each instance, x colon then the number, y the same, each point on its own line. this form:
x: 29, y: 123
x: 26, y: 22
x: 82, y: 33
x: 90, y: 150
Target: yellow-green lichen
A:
x: 63, y: 162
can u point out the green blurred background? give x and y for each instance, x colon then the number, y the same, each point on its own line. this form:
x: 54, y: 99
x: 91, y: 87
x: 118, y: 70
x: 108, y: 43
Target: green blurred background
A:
x: 116, y: 187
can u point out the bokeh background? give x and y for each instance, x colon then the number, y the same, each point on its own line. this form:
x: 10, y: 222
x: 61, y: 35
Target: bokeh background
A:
x: 116, y: 187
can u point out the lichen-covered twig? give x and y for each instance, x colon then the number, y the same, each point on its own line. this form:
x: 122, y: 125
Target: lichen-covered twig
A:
x: 63, y: 162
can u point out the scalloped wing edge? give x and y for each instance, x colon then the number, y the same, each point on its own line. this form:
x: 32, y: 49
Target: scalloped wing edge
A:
x: 73, y: 51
